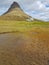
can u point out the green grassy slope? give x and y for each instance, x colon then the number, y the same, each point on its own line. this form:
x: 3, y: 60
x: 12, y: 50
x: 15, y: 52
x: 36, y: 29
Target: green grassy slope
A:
x: 8, y: 26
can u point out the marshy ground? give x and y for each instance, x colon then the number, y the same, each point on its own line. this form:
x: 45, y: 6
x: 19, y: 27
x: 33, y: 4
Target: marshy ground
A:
x: 24, y: 43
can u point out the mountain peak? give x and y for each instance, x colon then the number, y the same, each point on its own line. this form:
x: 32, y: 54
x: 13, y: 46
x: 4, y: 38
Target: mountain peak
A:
x: 15, y: 4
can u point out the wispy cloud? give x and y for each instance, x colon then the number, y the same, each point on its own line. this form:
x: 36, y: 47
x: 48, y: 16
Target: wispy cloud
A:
x: 39, y: 9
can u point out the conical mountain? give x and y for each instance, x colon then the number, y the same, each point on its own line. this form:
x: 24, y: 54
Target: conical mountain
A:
x: 12, y: 7
x: 15, y: 13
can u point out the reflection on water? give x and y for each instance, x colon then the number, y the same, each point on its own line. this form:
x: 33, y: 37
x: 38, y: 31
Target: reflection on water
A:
x: 10, y: 38
x: 20, y: 49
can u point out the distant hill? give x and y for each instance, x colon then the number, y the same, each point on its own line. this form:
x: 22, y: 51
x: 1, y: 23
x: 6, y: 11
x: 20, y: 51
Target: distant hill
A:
x: 15, y: 13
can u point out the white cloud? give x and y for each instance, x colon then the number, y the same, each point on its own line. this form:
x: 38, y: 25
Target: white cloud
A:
x: 39, y: 10
x: 41, y: 5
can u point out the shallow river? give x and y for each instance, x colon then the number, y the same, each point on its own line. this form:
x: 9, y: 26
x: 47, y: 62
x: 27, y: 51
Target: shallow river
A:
x: 18, y: 49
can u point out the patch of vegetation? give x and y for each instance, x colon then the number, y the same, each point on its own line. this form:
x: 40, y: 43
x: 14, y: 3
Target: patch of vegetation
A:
x: 8, y: 26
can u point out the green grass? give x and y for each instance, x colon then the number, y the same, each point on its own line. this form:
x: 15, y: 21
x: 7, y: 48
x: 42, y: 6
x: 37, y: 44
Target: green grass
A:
x: 9, y: 26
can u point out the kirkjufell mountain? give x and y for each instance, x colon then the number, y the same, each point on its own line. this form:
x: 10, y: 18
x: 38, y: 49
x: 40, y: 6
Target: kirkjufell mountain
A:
x: 15, y: 12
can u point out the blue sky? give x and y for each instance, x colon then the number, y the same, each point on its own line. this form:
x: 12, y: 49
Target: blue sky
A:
x: 36, y: 8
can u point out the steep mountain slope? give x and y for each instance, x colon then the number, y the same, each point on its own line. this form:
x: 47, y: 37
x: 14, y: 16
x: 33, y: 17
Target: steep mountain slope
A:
x: 15, y: 13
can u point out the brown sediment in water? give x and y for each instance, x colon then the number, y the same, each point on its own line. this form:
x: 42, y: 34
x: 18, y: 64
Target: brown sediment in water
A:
x: 30, y: 48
